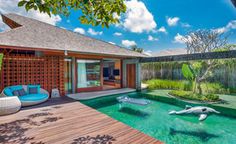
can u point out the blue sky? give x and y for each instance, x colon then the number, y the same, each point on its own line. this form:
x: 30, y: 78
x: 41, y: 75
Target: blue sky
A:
x: 154, y: 25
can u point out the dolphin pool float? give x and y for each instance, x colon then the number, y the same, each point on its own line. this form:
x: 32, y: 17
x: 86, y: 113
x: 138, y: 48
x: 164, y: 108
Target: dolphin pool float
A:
x: 198, y: 110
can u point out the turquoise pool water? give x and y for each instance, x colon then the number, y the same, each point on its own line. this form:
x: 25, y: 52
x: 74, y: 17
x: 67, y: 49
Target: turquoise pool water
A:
x: 155, y: 121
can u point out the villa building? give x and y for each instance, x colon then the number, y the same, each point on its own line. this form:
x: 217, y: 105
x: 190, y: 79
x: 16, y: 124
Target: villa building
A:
x: 39, y: 53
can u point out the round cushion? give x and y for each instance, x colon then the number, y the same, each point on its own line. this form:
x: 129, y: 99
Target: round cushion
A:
x: 33, y: 97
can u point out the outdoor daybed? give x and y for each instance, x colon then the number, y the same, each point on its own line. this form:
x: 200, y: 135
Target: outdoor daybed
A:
x: 31, y: 95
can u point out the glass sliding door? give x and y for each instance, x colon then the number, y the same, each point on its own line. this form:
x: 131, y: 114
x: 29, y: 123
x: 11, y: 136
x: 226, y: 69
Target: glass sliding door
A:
x: 88, y: 73
x: 68, y: 75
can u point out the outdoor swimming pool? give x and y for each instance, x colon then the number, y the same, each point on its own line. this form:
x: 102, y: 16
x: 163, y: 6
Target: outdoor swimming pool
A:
x: 155, y: 121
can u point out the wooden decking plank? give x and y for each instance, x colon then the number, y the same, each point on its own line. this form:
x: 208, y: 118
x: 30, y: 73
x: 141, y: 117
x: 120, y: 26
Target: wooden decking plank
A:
x: 101, y: 130
x: 65, y: 122
x: 79, y: 132
x: 71, y: 131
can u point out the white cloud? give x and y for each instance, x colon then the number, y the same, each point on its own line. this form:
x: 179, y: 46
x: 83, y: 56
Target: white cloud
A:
x: 148, y: 52
x: 115, y: 15
x: 117, y: 34
x: 220, y: 30
x: 128, y: 43
x: 112, y: 43
x: 230, y: 26
x: 178, y: 38
x: 162, y: 29
x: 79, y: 30
x: 10, y: 6
x: 185, y: 25
x: 182, y: 39
x: 172, y: 21
x: 137, y: 18
x: 93, y: 32
x: 151, y: 38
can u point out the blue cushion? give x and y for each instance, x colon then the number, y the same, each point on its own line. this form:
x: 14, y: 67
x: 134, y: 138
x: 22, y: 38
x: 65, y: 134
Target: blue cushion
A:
x: 33, y: 86
x: 17, y: 87
x: 33, y: 97
x: 8, y: 92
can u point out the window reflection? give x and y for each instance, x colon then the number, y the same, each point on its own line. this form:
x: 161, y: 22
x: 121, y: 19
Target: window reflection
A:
x: 88, y: 73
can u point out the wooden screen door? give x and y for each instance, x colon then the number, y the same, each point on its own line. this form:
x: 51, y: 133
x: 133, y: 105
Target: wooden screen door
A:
x: 131, y: 75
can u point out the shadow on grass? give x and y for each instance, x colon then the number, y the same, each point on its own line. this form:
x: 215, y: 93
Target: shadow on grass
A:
x: 99, y: 139
x: 134, y: 112
x: 202, y: 135
x: 223, y: 102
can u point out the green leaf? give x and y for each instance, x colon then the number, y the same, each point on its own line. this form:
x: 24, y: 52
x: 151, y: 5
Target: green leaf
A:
x: 95, y: 12
x: 27, y: 6
x: 1, y: 59
x: 21, y: 3
x: 187, y: 72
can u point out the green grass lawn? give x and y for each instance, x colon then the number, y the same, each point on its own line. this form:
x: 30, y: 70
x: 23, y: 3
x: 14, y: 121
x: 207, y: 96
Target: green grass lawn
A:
x: 229, y: 100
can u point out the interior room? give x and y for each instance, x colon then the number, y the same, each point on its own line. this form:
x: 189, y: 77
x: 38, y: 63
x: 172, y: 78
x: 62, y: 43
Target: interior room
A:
x: 111, y: 74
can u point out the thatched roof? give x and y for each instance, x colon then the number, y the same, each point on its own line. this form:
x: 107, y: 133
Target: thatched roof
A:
x: 27, y: 32
x: 170, y: 52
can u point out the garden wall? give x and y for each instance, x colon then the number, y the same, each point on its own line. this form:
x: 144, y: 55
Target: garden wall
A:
x: 225, y: 74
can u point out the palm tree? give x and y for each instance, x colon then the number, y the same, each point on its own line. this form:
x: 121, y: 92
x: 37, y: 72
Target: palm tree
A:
x: 136, y: 49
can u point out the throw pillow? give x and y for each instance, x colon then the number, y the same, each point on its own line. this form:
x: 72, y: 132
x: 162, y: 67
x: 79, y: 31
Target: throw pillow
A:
x: 21, y: 92
x: 33, y: 89
x: 16, y: 93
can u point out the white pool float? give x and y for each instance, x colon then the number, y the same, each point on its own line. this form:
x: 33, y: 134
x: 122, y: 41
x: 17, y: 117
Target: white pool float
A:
x: 201, y: 111
x: 126, y: 99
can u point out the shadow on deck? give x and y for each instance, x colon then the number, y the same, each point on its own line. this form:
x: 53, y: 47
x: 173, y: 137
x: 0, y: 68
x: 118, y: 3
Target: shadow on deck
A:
x: 63, y: 120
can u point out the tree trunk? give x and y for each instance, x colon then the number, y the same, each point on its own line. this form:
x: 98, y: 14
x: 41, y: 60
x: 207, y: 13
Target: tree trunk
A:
x: 199, y: 88
x: 194, y: 85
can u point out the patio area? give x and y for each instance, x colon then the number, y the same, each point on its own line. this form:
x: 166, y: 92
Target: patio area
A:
x: 62, y: 120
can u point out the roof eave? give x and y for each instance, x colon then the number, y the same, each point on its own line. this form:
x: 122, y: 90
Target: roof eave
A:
x: 63, y: 51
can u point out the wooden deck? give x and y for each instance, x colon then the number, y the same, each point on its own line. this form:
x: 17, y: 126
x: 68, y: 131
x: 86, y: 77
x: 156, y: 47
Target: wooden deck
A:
x: 62, y: 120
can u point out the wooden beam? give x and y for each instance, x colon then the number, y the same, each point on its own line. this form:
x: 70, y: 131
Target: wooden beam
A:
x: 12, y: 24
x: 189, y: 57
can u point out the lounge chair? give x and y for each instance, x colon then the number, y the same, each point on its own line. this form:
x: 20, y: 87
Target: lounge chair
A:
x: 27, y: 99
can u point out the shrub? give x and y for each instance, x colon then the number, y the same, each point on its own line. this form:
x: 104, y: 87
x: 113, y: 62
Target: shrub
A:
x: 232, y: 90
x: 207, y: 87
x: 191, y: 96
x: 215, y: 88
x: 168, y: 84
